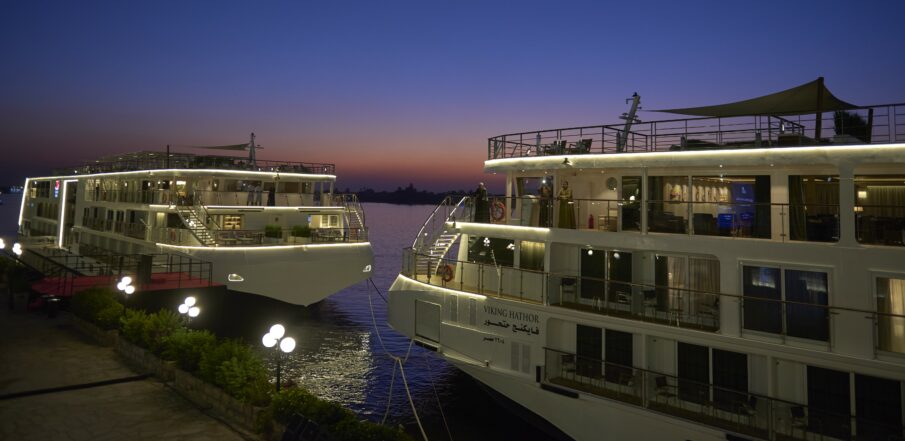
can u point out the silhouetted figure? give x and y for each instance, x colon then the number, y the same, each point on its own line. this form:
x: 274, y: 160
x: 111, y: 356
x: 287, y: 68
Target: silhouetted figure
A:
x: 481, y: 205
x: 566, y: 210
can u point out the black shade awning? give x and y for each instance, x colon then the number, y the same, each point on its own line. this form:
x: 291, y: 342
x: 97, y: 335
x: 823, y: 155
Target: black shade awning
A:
x: 807, y: 98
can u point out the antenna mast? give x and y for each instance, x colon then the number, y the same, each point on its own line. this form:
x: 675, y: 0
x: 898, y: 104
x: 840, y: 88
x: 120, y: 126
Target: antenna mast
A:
x: 630, y: 118
x: 251, y: 150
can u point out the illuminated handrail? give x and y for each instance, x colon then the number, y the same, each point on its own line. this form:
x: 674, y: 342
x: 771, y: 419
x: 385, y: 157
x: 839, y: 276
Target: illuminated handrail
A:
x: 665, y: 305
x: 739, y: 411
x: 753, y: 131
x: 190, y: 161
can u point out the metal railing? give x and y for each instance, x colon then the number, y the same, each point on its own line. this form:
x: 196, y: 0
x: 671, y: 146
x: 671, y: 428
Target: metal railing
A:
x: 664, y: 305
x: 452, y: 208
x: 886, y: 124
x: 95, y: 261
x: 159, y: 161
x: 231, y: 238
x: 723, y: 408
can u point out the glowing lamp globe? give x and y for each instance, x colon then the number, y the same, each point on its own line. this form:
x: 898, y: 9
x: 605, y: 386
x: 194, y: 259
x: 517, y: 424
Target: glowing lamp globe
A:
x: 190, y: 301
x: 183, y: 308
x: 129, y: 289
x: 269, y: 341
x: 287, y: 344
x: 277, y: 331
x: 194, y: 311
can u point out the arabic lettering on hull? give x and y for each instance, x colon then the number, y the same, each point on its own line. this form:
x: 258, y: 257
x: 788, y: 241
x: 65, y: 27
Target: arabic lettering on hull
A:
x: 519, y: 322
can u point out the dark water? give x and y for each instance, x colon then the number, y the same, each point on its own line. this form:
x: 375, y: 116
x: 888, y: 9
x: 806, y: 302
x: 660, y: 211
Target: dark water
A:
x: 342, y: 356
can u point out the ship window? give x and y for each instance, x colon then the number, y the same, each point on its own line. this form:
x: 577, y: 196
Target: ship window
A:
x: 666, y: 211
x: 829, y: 401
x: 730, y: 379
x: 878, y: 405
x: 631, y: 203
x: 890, y: 295
x: 880, y: 209
x: 731, y: 206
x: 694, y: 372
x: 791, y: 302
x: 490, y: 250
x: 687, y: 287
x: 531, y: 255
x: 619, y: 355
x: 814, y: 208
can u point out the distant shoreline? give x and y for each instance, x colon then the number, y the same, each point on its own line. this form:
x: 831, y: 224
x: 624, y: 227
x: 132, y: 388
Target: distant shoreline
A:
x: 405, y: 196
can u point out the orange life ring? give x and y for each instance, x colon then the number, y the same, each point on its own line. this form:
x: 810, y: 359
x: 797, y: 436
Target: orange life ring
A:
x: 446, y: 272
x: 497, y: 211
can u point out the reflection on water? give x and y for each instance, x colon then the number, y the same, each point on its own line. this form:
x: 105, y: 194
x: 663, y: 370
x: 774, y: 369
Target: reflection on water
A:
x: 340, y: 357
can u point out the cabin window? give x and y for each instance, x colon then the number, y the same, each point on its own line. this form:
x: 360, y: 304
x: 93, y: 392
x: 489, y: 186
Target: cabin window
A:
x: 878, y: 406
x: 619, y: 356
x: 687, y: 288
x: 814, y: 208
x: 491, y: 250
x: 829, y: 402
x: 693, y: 372
x: 880, y: 209
x: 730, y: 379
x: 890, y: 294
x: 631, y: 203
x: 667, y: 211
x: 531, y: 255
x: 790, y: 302
x: 731, y: 206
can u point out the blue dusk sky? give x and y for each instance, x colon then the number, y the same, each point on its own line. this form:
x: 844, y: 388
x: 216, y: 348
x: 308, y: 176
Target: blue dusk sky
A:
x: 398, y: 92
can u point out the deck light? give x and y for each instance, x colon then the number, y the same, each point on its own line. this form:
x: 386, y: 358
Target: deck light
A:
x: 590, y: 252
x: 235, y: 278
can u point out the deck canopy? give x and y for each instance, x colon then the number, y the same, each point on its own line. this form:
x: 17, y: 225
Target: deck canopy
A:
x: 811, y: 97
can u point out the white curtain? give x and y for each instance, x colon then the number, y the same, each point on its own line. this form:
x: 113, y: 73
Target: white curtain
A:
x: 891, y: 300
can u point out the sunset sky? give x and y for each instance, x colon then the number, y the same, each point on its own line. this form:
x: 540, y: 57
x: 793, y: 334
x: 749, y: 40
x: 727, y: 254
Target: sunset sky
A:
x: 398, y: 92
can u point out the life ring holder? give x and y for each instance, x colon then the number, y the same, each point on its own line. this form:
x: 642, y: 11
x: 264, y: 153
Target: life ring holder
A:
x: 497, y: 211
x: 446, y: 272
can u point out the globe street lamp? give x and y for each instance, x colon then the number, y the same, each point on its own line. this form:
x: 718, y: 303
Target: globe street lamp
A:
x: 125, y: 285
x: 276, y: 339
x: 189, y: 309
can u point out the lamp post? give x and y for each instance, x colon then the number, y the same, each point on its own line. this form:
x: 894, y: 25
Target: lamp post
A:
x: 188, y: 309
x: 276, y: 339
x: 125, y: 285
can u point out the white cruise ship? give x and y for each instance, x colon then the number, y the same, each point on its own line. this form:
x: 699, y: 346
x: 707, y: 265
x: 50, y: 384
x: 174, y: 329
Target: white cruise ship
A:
x: 270, y: 228
x: 735, y: 275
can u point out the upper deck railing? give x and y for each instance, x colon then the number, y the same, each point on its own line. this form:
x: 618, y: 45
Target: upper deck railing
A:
x: 885, y: 124
x: 159, y: 161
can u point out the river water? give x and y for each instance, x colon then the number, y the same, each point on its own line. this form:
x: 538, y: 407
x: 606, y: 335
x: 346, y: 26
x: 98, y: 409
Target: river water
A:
x: 341, y: 355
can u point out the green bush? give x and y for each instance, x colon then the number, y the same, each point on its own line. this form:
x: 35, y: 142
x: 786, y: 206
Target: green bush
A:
x: 133, y: 325
x: 186, y: 346
x: 161, y: 325
x: 273, y: 231
x: 236, y: 368
x: 109, y: 317
x: 341, y: 423
x: 301, y: 231
x: 89, y: 303
x: 353, y: 430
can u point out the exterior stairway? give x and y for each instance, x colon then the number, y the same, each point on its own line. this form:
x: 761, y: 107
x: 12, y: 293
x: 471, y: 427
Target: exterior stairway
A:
x: 354, y: 216
x: 435, y: 240
x: 194, y: 223
x: 436, y: 252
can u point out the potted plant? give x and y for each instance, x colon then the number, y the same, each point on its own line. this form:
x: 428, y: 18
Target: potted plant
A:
x: 273, y: 233
x: 301, y: 234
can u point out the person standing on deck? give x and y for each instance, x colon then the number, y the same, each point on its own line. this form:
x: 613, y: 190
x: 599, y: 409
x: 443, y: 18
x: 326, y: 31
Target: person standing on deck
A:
x: 481, y: 205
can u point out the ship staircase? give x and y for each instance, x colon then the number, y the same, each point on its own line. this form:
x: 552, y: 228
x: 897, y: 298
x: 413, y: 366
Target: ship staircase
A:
x: 194, y: 216
x: 354, y: 217
x: 438, y: 234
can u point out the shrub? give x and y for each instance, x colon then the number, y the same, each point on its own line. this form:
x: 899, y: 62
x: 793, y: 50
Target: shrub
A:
x: 301, y: 231
x: 236, y: 368
x: 186, y: 346
x: 109, y: 317
x: 273, y: 231
x: 341, y: 423
x: 89, y: 303
x: 160, y: 326
x: 133, y: 325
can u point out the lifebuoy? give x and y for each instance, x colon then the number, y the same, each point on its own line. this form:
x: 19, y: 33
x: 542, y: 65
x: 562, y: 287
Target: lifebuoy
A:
x: 446, y: 272
x: 497, y: 211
